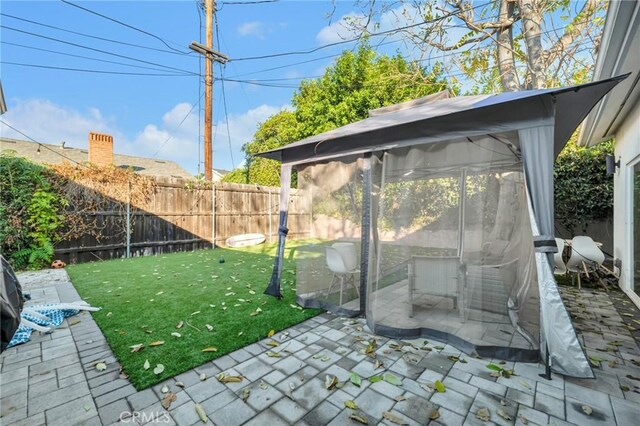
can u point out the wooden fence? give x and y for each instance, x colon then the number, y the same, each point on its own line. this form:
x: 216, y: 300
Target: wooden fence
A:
x: 178, y: 218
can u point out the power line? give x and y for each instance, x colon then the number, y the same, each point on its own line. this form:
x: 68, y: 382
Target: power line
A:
x: 77, y: 56
x: 92, y: 36
x: 40, y: 144
x: 96, y: 50
x: 226, y: 119
x: 249, y: 2
x: 92, y: 71
x: 123, y: 24
x: 183, y: 120
x: 315, y: 49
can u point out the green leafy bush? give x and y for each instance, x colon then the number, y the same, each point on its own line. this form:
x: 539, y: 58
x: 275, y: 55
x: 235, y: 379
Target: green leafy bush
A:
x: 30, y: 213
x: 583, y: 190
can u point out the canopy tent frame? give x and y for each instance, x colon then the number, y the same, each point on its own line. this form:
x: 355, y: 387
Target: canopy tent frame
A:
x: 543, y: 121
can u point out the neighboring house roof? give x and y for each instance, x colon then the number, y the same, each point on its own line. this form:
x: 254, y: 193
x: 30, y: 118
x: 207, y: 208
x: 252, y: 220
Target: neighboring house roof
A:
x: 55, y: 154
x: 618, y: 54
x: 3, y: 105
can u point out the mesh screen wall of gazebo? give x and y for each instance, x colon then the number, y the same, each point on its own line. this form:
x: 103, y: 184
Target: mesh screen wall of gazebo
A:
x: 434, y: 218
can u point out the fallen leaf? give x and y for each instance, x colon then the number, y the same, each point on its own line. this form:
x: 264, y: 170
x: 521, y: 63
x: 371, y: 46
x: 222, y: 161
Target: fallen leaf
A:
x: 355, y: 379
x: 271, y: 333
x: 587, y: 410
x: 390, y: 378
x: 174, y: 334
x: 263, y: 385
x: 435, y: 414
x: 224, y: 378
x: 159, y: 369
x: 180, y: 324
x: 494, y: 367
x: 358, y: 418
x: 146, y: 365
x: 201, y: 413
x: 180, y: 385
x: 393, y: 418
x: 87, y: 406
x: 523, y: 419
x: 164, y: 389
x: 241, y: 333
x: 209, y: 327
x: 203, y: 377
x: 210, y: 349
x: 274, y: 354
x: 109, y: 314
x: 330, y: 382
x: 136, y: 348
x: 318, y: 355
x: 483, y: 414
x: 525, y: 384
x: 195, y: 313
x: 273, y: 343
x: 101, y: 366
x: 439, y: 386
x: 504, y: 415
x: 624, y: 388
x: 157, y: 343
x: 168, y: 399
x: 351, y: 404
x: 375, y: 379
x: 399, y: 398
x: 245, y: 394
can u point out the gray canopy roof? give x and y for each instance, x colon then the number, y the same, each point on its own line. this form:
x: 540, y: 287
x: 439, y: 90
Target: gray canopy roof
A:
x: 462, y: 116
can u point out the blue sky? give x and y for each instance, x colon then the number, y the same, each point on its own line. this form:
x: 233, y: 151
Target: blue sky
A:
x: 158, y: 115
x: 142, y: 112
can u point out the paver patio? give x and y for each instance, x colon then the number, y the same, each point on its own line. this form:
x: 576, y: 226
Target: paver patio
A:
x: 52, y: 380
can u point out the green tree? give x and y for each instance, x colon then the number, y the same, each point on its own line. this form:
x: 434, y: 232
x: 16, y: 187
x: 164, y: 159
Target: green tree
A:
x: 357, y: 82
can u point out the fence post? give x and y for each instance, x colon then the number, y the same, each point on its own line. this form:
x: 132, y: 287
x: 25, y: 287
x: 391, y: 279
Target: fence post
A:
x: 129, y: 220
x: 213, y: 215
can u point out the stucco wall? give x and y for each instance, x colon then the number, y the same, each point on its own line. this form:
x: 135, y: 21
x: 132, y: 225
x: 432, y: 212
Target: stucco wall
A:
x: 628, y: 150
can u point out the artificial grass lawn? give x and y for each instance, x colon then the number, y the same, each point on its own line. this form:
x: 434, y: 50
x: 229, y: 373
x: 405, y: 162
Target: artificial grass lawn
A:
x: 144, y: 298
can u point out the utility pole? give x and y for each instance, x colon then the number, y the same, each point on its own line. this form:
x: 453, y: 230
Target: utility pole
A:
x: 210, y: 55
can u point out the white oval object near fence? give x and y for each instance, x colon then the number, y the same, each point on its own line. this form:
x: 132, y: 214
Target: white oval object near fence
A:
x: 245, y: 240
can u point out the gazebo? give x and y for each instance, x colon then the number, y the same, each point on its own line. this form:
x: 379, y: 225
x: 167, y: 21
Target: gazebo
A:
x: 434, y: 218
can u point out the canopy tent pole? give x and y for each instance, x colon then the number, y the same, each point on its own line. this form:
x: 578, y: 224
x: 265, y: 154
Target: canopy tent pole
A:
x: 273, y: 289
x: 462, y: 211
x: 365, y: 231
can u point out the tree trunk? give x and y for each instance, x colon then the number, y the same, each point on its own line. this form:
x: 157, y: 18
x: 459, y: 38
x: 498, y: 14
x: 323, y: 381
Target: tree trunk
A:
x: 506, y: 63
x: 532, y: 19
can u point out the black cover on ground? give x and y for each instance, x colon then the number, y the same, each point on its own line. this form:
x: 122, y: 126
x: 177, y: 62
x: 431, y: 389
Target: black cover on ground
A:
x: 11, y: 303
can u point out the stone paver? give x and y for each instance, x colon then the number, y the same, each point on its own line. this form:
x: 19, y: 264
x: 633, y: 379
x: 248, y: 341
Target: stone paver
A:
x: 51, y: 380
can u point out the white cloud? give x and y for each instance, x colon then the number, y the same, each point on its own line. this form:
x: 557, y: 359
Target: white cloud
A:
x: 254, y: 28
x: 341, y: 29
x: 241, y: 127
x: 48, y: 122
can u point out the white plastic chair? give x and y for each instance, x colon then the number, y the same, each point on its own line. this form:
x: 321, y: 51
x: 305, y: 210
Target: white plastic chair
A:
x: 341, y: 272
x: 585, y: 257
x: 560, y: 268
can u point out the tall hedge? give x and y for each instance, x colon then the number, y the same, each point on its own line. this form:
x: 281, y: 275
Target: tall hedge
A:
x: 583, y: 190
x: 31, y: 211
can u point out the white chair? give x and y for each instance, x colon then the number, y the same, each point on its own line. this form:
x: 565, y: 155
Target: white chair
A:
x: 559, y: 267
x: 341, y: 271
x: 585, y: 257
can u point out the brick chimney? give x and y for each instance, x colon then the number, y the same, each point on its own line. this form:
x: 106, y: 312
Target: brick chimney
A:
x: 100, y: 148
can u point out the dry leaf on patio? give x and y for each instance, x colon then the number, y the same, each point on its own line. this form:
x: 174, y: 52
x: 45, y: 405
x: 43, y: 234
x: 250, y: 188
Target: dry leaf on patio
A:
x: 159, y: 369
x: 271, y: 333
x: 174, y: 334
x: 483, y: 414
x: 359, y: 419
x: 164, y: 389
x: 504, y: 415
x: 399, y: 398
x: 203, y: 377
x: 180, y: 324
x: 587, y: 410
x: 274, y: 354
x: 427, y: 386
x: 201, y: 413
x: 245, y: 394
x: 263, y: 385
x: 101, y: 366
x: 351, y: 404
x: 393, y: 418
x: 136, y: 348
x: 168, y: 399
x: 523, y: 419
x: 378, y: 364
x: 355, y: 379
x: 180, y: 385
x: 146, y: 365
x: 225, y: 378
x: 330, y: 382
x: 157, y: 343
x: 435, y: 414
x: 439, y: 386
x: 390, y: 378
x: 210, y: 349
x: 272, y: 343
